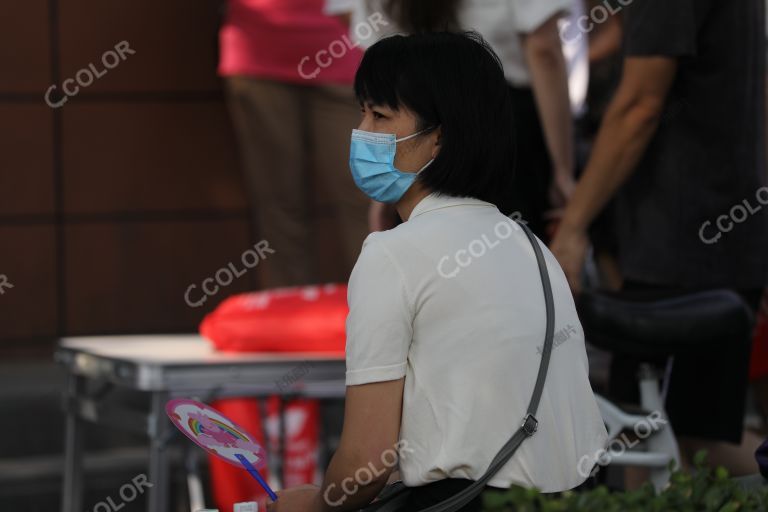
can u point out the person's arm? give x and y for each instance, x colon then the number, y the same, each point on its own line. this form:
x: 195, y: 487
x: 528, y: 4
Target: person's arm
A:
x: 345, y: 18
x: 379, y: 332
x: 605, y: 40
x: 549, y: 78
x: 368, y: 440
x: 366, y: 456
x: 628, y: 126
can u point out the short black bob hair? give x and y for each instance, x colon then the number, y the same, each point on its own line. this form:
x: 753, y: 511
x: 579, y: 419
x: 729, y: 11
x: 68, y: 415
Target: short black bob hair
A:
x: 455, y: 81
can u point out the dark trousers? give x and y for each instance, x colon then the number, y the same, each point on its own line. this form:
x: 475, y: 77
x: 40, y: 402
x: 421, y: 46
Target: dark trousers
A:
x: 533, y: 167
x: 294, y: 146
x: 707, y: 391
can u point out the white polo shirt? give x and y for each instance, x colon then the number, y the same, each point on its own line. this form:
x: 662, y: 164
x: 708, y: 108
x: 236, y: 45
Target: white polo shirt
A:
x: 452, y: 301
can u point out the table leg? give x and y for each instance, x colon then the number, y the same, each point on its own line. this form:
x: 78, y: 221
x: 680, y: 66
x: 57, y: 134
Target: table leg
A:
x: 281, y: 442
x: 157, y: 499
x: 72, y: 489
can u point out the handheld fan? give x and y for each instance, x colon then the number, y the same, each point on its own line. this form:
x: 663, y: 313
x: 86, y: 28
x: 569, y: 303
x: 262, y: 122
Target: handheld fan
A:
x: 218, y: 435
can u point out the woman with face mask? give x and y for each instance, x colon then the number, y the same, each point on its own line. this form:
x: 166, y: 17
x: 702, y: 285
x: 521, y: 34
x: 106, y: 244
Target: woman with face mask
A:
x: 529, y: 41
x: 447, y: 311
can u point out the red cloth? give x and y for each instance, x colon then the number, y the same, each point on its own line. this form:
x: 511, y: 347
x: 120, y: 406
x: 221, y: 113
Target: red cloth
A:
x: 272, y: 38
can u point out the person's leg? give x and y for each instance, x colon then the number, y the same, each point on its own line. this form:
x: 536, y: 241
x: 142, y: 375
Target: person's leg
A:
x: 738, y: 459
x: 706, y: 399
x: 720, y: 427
x: 270, y: 126
x: 760, y: 385
x: 333, y: 115
x: 734, y: 452
x: 760, y: 360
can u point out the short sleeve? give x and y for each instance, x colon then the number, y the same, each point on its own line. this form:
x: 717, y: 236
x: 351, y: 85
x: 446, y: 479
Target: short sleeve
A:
x: 528, y: 15
x: 335, y: 7
x: 380, y: 320
x: 660, y: 28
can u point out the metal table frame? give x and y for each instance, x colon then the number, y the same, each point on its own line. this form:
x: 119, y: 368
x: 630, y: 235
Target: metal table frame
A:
x: 98, y: 365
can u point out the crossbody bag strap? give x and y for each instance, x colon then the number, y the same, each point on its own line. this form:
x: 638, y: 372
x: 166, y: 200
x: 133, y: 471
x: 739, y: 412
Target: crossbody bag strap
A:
x: 529, y: 423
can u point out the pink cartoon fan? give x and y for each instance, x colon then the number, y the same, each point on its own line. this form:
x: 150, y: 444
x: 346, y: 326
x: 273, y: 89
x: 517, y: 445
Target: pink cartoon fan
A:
x: 218, y: 435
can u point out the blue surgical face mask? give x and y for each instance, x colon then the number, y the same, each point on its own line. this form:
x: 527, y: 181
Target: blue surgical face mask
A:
x: 372, y: 161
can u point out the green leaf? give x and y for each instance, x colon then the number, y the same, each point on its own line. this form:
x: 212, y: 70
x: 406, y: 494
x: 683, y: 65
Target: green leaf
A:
x: 700, y: 459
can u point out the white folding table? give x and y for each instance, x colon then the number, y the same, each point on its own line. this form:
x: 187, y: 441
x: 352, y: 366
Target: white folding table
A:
x: 166, y: 367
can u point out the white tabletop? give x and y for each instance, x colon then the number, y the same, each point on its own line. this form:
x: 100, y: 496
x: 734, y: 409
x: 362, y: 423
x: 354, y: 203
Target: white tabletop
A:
x: 172, y: 362
x: 177, y: 349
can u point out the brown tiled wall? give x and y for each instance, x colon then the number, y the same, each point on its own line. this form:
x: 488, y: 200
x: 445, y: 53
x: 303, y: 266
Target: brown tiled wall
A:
x: 149, y: 156
x: 112, y: 205
x: 26, y: 160
x: 25, y: 46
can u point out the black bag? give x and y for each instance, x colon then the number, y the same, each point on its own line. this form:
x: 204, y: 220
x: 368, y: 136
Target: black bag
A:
x: 394, y: 497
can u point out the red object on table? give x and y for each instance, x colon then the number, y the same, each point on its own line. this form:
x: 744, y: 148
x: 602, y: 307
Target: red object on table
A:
x: 303, y: 319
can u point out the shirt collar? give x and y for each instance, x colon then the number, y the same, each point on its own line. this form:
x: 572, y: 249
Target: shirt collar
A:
x: 436, y: 201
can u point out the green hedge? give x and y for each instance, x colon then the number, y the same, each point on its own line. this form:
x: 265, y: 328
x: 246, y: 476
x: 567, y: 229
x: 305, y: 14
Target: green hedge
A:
x: 703, y: 490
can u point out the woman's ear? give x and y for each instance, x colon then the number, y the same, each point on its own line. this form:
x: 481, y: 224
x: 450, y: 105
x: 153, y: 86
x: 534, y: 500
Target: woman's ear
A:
x: 438, y: 134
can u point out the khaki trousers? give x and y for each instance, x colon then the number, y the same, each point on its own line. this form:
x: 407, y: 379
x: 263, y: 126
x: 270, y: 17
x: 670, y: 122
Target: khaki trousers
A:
x: 294, y: 146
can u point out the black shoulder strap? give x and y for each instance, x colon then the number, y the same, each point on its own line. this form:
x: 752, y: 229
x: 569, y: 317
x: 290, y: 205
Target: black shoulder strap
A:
x: 529, y: 423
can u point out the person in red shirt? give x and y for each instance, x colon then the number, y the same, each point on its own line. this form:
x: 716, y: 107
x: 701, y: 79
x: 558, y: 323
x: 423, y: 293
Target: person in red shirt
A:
x: 288, y: 69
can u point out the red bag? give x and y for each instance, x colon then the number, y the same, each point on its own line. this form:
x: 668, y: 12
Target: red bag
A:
x: 302, y: 319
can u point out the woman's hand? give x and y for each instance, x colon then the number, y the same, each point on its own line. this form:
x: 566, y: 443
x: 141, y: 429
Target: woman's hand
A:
x: 570, y: 248
x: 305, y: 498
x: 561, y: 189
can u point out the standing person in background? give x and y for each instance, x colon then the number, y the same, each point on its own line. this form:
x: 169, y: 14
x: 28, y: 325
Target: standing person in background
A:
x: 525, y: 35
x: 288, y: 80
x: 605, y: 63
x: 760, y: 384
x: 682, y: 144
